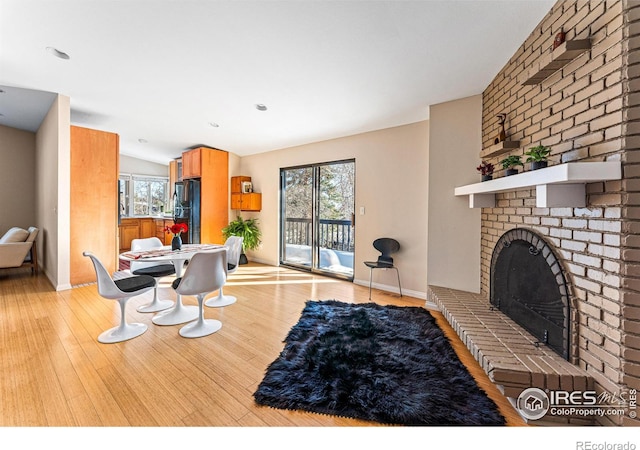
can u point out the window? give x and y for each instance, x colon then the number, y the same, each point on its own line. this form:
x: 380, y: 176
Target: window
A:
x: 143, y: 195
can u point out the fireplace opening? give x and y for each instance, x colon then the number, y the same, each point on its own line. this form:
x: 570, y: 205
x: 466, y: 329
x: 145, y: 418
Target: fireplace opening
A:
x: 528, y: 285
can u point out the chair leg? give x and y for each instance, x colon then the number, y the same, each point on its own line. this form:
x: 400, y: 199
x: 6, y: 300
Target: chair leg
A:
x: 221, y: 300
x: 399, y: 286
x: 201, y: 326
x: 370, y: 278
x: 124, y: 331
x: 156, y: 304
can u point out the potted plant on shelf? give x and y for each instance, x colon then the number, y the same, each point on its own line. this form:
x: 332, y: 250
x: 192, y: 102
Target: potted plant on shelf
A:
x: 537, y: 156
x: 511, y: 163
x: 486, y: 170
x: 249, y: 232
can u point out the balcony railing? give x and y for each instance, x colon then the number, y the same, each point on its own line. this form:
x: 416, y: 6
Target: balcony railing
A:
x: 333, y: 234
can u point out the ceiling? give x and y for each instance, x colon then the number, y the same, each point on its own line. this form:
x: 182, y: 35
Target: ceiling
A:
x: 160, y: 72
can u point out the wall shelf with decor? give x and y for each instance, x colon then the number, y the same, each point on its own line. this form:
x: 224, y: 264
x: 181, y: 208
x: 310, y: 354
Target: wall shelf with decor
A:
x: 562, y: 185
x: 242, y: 195
x: 556, y: 60
x: 499, y: 149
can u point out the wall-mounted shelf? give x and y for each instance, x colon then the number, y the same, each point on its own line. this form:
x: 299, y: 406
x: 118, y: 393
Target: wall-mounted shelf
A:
x: 556, y: 60
x: 244, y: 201
x: 499, y: 149
x: 562, y: 185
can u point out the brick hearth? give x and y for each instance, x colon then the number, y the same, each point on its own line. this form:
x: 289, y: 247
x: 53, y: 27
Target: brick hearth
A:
x: 506, y: 352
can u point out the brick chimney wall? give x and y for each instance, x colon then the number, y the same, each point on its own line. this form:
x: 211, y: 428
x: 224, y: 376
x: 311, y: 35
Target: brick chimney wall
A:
x: 587, y: 111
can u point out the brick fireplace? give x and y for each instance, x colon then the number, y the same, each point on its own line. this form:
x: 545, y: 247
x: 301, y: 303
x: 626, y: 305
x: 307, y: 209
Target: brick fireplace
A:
x: 586, y: 109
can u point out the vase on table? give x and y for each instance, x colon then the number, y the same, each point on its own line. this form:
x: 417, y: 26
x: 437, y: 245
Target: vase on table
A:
x: 176, y: 242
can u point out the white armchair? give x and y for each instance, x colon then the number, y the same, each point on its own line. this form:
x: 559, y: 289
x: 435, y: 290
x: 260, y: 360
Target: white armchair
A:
x: 18, y: 248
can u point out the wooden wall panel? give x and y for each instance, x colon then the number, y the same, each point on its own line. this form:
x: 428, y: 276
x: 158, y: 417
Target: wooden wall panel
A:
x: 94, y: 200
x: 215, y: 195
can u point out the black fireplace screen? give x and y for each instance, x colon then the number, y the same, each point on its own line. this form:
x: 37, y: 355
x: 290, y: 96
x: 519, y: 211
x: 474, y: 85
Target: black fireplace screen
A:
x: 528, y: 285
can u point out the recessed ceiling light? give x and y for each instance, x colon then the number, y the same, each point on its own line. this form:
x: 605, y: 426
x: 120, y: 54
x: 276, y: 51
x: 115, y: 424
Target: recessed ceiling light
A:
x: 142, y: 141
x: 213, y: 125
x: 57, y: 53
x: 261, y: 107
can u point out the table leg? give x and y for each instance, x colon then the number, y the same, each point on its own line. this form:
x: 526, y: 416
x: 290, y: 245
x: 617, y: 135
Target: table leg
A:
x: 179, y: 313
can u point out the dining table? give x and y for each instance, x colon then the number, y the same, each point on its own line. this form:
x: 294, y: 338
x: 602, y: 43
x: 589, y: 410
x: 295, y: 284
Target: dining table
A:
x: 179, y: 313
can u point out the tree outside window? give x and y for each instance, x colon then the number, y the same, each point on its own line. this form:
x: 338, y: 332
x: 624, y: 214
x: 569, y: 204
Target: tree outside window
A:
x: 143, y: 196
x: 149, y: 196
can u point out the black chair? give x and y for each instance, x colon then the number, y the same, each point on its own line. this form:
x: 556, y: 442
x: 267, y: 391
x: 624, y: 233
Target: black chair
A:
x: 386, y: 246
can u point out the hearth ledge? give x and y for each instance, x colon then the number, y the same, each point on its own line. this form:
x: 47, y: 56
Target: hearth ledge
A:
x: 505, y: 351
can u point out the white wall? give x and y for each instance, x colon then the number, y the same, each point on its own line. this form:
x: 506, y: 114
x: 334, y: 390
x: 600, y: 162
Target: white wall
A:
x: 131, y: 165
x: 455, y: 141
x: 53, y: 151
x: 17, y: 178
x: 391, y: 184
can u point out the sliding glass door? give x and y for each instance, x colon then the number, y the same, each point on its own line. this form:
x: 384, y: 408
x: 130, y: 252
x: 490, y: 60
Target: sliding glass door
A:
x: 317, y: 217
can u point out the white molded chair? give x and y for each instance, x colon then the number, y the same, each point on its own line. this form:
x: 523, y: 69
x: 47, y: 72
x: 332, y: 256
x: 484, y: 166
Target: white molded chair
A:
x: 205, y: 273
x: 121, y: 290
x: 234, y: 249
x: 156, y: 270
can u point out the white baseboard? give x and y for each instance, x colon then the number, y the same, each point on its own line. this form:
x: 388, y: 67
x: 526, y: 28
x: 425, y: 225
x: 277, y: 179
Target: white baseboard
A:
x: 382, y: 287
x: 390, y: 288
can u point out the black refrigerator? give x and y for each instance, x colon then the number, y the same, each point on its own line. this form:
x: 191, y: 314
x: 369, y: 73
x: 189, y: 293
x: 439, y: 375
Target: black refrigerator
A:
x: 186, y: 209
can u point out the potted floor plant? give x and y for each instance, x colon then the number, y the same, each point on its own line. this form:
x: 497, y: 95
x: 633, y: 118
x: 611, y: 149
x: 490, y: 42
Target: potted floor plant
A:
x: 511, y: 163
x: 249, y: 232
x: 537, y: 156
x: 486, y: 170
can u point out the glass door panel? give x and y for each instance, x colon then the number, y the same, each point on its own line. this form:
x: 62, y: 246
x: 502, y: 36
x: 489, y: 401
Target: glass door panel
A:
x: 335, y: 230
x: 317, y: 216
x: 297, y: 216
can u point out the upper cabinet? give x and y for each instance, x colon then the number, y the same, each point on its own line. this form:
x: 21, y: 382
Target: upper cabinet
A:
x: 192, y: 164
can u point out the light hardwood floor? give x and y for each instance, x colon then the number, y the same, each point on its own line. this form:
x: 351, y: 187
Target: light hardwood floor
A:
x: 53, y: 372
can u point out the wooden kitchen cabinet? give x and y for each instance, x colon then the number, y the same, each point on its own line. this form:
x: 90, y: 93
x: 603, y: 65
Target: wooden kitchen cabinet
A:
x: 214, y: 195
x: 245, y: 202
x: 192, y: 164
x: 236, y: 184
x: 129, y: 230
x: 161, y: 225
x: 147, y: 228
x: 136, y: 228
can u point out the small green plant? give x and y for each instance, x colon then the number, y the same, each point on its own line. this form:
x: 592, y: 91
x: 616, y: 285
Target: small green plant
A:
x: 538, y: 153
x: 511, y: 162
x: 246, y: 229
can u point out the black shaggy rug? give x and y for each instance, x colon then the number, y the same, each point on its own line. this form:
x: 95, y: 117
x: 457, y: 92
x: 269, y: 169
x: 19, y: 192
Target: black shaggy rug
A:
x: 386, y: 364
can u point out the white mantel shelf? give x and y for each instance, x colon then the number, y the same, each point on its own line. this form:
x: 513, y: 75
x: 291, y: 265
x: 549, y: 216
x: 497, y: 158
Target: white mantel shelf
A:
x: 562, y: 185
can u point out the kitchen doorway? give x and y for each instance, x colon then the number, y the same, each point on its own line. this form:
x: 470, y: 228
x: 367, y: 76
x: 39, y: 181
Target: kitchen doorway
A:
x: 317, y: 221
